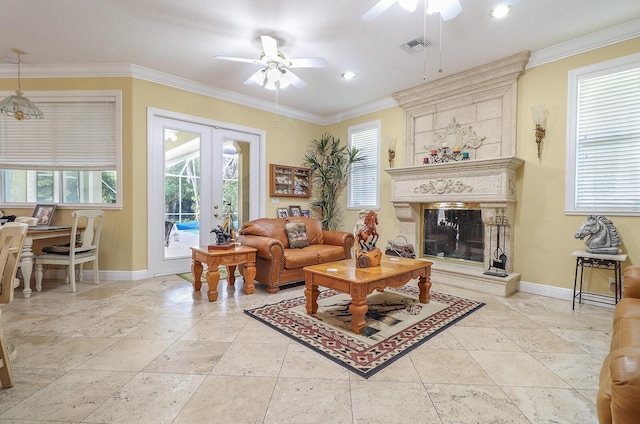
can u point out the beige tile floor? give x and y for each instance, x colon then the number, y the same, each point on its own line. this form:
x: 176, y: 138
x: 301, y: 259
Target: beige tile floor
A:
x: 153, y: 351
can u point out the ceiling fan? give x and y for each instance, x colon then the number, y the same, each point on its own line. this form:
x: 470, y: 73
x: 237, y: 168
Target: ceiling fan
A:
x: 448, y: 9
x: 275, y: 72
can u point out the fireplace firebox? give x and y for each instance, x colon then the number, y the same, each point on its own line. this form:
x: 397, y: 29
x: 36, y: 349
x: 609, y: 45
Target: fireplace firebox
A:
x: 454, y: 231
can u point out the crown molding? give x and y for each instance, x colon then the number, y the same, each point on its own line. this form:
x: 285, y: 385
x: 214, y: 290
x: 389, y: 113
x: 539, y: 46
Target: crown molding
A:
x: 374, y: 106
x: 169, y: 80
x: 596, y: 40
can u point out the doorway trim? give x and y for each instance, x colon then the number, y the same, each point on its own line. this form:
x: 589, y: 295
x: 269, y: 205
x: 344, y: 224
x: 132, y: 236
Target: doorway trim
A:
x: 257, y: 185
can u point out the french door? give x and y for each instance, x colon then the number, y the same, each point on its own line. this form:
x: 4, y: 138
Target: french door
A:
x: 198, y: 174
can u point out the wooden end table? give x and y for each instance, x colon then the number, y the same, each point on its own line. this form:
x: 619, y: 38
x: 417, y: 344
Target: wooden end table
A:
x: 229, y: 258
x: 345, y: 277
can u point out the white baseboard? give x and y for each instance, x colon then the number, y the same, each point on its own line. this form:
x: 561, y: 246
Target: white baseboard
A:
x: 554, y: 292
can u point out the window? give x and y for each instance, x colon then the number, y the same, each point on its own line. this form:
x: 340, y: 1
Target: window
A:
x: 364, y: 190
x: 72, y: 156
x: 603, y: 145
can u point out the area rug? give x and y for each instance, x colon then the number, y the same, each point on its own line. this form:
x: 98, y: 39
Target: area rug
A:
x: 396, y: 323
x: 203, y: 278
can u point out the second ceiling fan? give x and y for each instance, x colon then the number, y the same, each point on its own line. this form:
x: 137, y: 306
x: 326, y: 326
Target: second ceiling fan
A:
x: 275, y: 72
x: 448, y: 9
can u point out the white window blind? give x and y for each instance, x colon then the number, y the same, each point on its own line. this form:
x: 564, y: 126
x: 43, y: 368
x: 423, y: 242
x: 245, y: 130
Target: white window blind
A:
x: 76, y: 133
x: 605, y: 143
x: 363, y: 190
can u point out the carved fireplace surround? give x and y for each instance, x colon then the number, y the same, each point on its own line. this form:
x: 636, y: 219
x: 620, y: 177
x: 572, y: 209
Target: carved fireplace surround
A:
x: 473, y: 112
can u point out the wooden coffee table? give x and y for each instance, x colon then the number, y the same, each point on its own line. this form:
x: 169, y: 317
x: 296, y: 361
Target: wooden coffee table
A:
x: 229, y: 258
x: 344, y: 277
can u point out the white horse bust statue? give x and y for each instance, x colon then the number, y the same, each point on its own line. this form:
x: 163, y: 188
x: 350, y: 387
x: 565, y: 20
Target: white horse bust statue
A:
x: 602, y: 235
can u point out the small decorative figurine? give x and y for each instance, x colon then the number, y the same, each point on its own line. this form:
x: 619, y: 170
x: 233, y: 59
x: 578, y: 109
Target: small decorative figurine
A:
x: 367, y: 254
x: 222, y: 237
x: 602, y: 235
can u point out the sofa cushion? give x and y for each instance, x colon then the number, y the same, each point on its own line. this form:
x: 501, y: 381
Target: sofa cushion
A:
x: 267, y: 227
x: 297, y: 234
x: 314, y: 228
x: 327, y: 253
x: 299, y: 258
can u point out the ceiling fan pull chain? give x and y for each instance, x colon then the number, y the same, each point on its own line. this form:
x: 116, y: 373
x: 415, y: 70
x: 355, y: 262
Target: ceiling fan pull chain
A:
x: 440, y: 54
x: 275, y: 111
x: 424, y: 38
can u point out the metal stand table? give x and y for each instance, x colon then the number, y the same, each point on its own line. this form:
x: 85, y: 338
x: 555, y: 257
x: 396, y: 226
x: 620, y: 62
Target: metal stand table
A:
x: 592, y: 260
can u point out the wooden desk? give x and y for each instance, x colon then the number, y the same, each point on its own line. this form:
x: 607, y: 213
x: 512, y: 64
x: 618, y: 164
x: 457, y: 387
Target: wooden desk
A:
x: 345, y: 277
x: 592, y: 260
x: 39, y: 232
x: 229, y: 258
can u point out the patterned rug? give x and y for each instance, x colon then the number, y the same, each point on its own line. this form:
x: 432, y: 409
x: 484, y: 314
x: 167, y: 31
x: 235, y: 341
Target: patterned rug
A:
x: 396, y: 324
x: 203, y: 278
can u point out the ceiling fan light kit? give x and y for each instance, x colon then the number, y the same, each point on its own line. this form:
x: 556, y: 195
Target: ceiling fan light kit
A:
x: 275, y: 72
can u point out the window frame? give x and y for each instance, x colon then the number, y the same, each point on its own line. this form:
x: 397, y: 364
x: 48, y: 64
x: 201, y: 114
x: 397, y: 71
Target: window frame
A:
x: 575, y: 76
x: 70, y: 96
x: 375, y: 166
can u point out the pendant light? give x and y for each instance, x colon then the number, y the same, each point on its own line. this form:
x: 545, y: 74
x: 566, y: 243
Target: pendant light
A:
x: 17, y: 105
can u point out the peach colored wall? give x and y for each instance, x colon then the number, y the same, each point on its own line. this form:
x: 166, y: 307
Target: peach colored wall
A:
x: 543, y: 233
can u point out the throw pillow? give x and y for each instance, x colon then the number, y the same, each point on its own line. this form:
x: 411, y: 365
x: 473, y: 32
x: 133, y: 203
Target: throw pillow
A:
x: 297, y: 234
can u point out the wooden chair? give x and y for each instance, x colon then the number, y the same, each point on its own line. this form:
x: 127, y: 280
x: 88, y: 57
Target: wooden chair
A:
x: 83, y: 247
x: 12, y: 237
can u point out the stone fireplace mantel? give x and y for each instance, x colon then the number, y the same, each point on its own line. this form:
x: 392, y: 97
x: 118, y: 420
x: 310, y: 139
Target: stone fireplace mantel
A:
x: 472, y: 113
x: 478, y: 181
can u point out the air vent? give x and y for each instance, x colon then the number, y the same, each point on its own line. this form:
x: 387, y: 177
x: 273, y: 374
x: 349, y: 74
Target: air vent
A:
x: 415, y: 46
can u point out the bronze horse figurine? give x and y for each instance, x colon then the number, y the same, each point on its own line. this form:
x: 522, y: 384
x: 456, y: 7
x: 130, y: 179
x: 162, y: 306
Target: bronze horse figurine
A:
x: 368, y: 236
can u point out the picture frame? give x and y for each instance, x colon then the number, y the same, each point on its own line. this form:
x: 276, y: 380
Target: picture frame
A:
x: 295, y: 211
x: 305, y: 212
x: 283, y: 212
x: 44, y: 213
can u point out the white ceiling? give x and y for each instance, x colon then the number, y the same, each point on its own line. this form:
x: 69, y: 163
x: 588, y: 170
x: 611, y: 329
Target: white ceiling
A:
x: 181, y: 38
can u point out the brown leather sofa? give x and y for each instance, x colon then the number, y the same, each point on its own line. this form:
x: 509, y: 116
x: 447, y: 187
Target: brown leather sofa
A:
x: 277, y: 263
x: 619, y: 393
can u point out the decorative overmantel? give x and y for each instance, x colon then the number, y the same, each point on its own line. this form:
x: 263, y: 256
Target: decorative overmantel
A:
x: 474, y: 111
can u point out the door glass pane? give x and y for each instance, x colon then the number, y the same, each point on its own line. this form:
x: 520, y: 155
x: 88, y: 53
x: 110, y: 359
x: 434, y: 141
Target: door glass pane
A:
x: 235, y: 182
x: 181, y: 192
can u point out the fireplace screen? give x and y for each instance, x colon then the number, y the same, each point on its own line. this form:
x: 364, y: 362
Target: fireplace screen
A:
x: 453, y: 230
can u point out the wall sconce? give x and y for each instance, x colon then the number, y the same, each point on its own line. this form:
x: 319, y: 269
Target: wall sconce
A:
x: 539, y: 119
x: 391, y: 148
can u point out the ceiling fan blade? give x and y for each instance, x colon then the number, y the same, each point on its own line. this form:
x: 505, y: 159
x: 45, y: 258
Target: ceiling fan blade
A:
x: 269, y: 45
x: 309, y: 62
x: 256, y: 78
x: 448, y: 9
x: 377, y: 10
x: 237, y: 59
x: 452, y: 10
x: 293, y: 79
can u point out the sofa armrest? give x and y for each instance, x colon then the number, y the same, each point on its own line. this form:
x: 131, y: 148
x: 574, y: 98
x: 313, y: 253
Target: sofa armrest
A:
x: 268, y: 248
x: 339, y: 238
x: 632, y: 282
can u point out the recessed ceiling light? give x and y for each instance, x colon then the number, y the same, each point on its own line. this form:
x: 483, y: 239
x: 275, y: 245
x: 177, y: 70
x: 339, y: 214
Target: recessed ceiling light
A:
x: 500, y: 11
x: 348, y: 75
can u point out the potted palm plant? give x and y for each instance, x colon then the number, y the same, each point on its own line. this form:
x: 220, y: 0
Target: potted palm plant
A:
x: 329, y: 163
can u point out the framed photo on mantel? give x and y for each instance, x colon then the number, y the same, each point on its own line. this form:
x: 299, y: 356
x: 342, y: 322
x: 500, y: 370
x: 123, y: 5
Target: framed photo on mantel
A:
x: 283, y: 213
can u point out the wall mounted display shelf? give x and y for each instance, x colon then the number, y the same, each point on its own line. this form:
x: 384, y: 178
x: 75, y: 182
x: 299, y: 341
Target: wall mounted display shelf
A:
x: 289, y: 181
